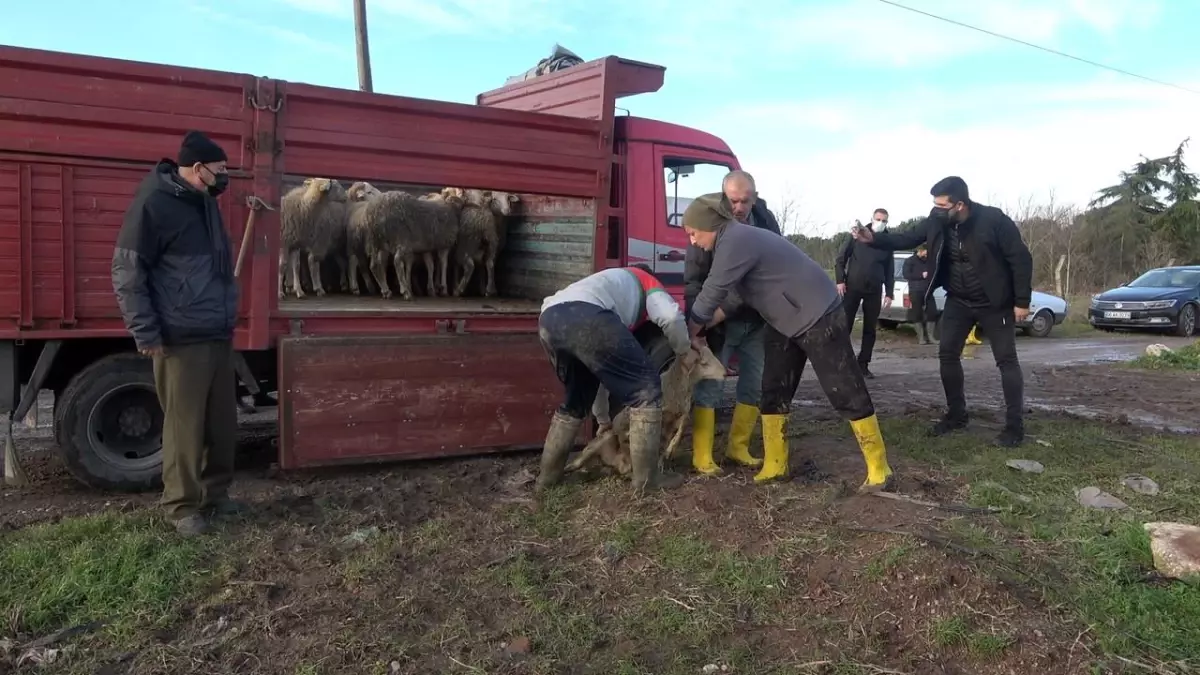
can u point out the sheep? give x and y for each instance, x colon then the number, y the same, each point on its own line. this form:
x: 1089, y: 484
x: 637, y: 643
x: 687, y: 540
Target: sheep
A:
x: 313, y: 220
x: 356, y: 233
x: 612, y: 444
x: 482, y: 234
x: 401, y: 225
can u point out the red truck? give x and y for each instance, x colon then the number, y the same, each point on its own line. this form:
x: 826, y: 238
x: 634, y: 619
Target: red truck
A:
x: 358, y: 379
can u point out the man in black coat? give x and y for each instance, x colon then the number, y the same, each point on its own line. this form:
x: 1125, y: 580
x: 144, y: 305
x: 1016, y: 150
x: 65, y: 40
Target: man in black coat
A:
x: 739, y: 330
x: 917, y: 273
x: 987, y: 271
x: 172, y: 271
x: 866, y: 277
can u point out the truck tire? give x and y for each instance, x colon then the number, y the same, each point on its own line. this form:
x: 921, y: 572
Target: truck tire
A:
x: 889, y: 324
x: 108, y: 425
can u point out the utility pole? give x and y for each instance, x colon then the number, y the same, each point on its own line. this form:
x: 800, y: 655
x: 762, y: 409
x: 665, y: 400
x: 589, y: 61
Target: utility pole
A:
x: 364, y: 49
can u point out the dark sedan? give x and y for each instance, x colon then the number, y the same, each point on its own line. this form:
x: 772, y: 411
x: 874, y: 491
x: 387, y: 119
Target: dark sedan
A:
x: 1167, y: 298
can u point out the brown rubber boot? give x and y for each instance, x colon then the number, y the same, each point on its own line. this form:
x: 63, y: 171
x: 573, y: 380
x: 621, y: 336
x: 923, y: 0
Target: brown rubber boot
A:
x: 559, y: 441
x: 645, y: 447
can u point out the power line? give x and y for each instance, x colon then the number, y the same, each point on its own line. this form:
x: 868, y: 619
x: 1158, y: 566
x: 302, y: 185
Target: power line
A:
x: 1048, y: 50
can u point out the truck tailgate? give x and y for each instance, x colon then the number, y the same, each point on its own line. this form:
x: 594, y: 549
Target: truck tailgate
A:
x: 356, y: 399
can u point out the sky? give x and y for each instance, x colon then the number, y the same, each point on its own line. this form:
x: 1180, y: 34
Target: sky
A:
x: 835, y: 106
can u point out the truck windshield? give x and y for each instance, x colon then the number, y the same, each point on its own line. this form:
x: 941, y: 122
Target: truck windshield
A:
x: 687, y: 179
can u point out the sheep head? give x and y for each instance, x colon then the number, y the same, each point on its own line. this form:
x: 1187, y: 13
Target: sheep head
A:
x: 503, y: 202
x: 702, y: 365
x: 453, y: 192
x: 362, y: 191
x: 326, y: 187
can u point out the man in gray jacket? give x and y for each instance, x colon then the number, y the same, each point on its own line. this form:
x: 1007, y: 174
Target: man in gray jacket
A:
x: 805, y: 323
x: 738, y: 330
x: 172, y: 271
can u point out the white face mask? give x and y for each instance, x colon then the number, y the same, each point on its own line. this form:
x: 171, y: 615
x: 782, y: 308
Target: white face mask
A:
x: 877, y: 224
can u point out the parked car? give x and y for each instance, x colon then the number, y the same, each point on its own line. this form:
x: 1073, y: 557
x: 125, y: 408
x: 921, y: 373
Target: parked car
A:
x: 1045, y: 311
x: 1162, y: 299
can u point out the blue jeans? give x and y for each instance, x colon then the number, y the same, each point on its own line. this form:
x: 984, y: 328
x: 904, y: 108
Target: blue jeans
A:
x: 746, y: 340
x: 589, y: 346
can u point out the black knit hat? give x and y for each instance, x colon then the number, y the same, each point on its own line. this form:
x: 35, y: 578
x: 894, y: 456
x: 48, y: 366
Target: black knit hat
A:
x: 197, y: 147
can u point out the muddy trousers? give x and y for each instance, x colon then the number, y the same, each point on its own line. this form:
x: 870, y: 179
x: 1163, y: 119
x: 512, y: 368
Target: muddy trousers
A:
x: 827, y: 346
x: 589, y: 345
x: 196, y: 389
x: 872, y: 304
x: 998, y: 326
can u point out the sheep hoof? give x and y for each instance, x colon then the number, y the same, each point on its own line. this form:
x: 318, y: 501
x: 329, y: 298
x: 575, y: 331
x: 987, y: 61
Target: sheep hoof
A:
x: 387, y: 295
x: 320, y: 292
x: 355, y: 291
x: 300, y: 294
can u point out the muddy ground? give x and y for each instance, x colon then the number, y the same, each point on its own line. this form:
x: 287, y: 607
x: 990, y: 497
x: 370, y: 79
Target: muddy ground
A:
x: 436, y: 567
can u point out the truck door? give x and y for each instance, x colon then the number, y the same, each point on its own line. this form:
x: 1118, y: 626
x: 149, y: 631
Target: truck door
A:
x: 683, y: 174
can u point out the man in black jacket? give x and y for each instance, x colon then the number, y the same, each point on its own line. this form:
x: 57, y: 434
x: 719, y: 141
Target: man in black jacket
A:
x: 917, y: 273
x: 172, y: 271
x: 866, y: 276
x: 739, y: 331
x: 987, y: 271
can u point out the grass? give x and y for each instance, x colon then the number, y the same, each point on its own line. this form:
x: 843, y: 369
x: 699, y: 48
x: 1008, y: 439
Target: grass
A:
x: 762, y: 579
x: 1186, y: 358
x: 128, y: 571
x: 1094, y: 562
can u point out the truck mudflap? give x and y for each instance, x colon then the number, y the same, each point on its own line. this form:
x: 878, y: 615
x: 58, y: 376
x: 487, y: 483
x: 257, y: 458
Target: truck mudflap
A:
x: 348, y: 400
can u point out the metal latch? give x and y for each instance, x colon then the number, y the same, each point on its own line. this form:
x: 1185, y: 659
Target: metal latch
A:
x: 443, y: 326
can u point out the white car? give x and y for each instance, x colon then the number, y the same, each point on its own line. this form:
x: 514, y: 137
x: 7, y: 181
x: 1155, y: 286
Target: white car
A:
x: 1045, y: 311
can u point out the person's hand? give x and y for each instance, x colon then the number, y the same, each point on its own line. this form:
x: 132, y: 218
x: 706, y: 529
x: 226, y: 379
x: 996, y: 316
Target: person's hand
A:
x: 718, y: 317
x: 1021, y: 313
x: 699, y: 343
x: 924, y: 275
x: 862, y: 234
x: 841, y: 289
x: 887, y: 302
x: 154, y: 350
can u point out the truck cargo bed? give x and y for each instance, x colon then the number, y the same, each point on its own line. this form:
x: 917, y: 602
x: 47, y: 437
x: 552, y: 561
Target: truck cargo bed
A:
x: 342, y: 304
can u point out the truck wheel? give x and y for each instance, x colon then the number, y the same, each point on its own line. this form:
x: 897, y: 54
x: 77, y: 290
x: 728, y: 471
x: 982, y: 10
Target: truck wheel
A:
x: 108, y: 425
x: 888, y: 324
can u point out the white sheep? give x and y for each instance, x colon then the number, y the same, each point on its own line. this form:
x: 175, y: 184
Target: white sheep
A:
x: 400, y: 226
x: 356, y: 235
x: 313, y: 221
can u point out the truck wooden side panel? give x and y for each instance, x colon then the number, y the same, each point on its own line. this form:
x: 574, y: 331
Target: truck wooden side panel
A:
x: 354, y: 400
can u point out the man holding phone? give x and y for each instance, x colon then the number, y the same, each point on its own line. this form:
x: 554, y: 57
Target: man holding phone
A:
x: 980, y: 259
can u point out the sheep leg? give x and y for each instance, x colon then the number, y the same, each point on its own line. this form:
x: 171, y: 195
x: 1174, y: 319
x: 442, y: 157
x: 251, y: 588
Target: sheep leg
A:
x: 314, y: 269
x: 466, y: 267
x: 352, y: 274
x: 430, y: 273
x: 444, y: 264
x: 490, y: 262
x: 283, y: 267
x: 379, y: 271
x: 372, y: 287
x: 343, y: 265
x: 294, y: 264
x: 403, y: 262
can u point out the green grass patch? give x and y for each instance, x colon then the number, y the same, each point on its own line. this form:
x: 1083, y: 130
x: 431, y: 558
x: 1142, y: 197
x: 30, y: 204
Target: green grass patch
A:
x: 1185, y: 358
x: 128, y: 571
x: 1095, y: 562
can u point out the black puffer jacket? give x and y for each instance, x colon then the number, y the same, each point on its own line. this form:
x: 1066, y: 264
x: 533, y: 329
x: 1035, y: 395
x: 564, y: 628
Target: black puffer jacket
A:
x: 172, y: 269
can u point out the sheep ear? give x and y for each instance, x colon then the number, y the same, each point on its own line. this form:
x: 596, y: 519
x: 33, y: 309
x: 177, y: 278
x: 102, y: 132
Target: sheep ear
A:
x: 308, y: 181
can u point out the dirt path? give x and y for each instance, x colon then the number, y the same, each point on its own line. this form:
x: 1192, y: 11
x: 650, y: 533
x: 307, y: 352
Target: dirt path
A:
x: 1079, y: 377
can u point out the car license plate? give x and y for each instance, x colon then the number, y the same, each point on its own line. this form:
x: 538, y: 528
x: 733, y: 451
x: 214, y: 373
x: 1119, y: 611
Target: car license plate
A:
x: 1117, y: 315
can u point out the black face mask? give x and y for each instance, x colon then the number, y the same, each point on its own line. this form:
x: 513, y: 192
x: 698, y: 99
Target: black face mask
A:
x: 220, y: 182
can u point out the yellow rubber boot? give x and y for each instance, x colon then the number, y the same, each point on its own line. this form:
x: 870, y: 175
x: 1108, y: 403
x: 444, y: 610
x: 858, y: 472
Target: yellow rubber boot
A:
x: 704, y: 427
x: 870, y: 441
x: 775, y: 449
x: 973, y: 339
x: 745, y: 416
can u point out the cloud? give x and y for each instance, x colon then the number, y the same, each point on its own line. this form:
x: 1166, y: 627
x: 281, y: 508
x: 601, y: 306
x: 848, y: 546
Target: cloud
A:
x: 454, y: 17
x: 869, y: 32
x: 280, y: 33
x: 848, y: 158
